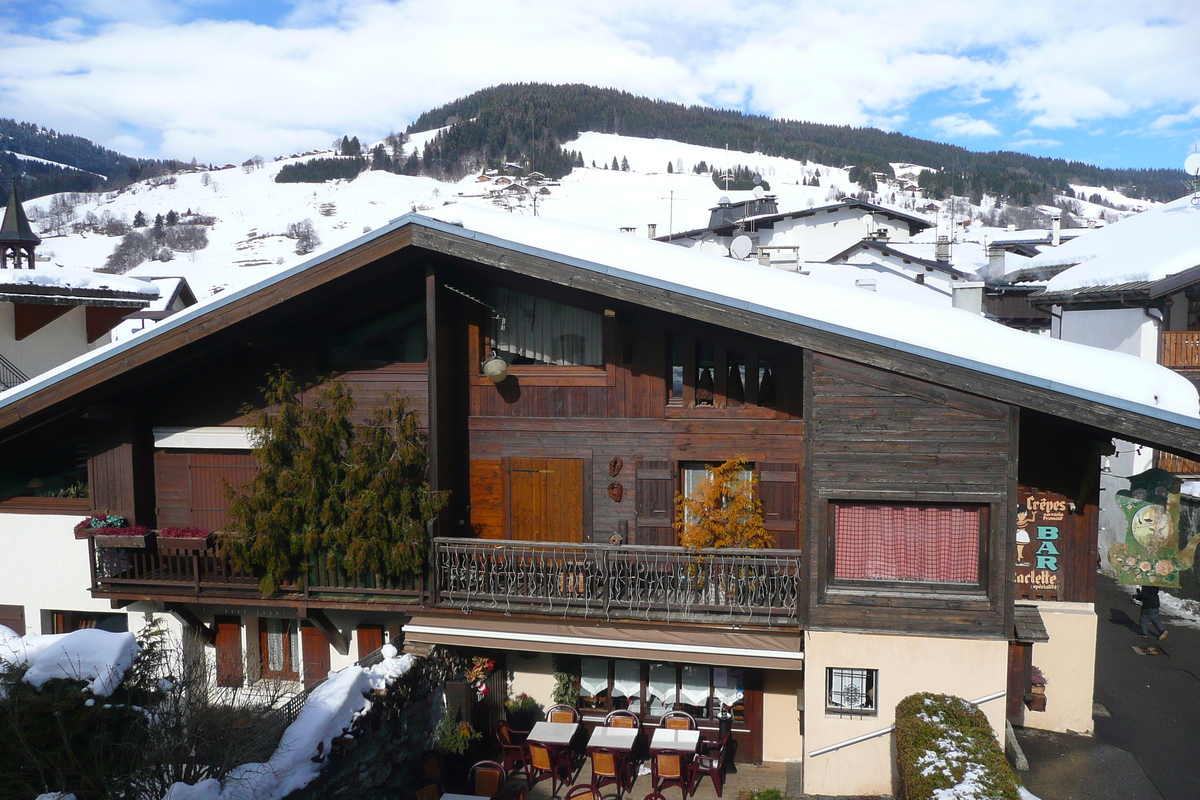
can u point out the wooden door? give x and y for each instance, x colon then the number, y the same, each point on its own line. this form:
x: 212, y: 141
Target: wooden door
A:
x: 229, y: 651
x: 370, y: 639
x: 315, y: 648
x: 546, y: 497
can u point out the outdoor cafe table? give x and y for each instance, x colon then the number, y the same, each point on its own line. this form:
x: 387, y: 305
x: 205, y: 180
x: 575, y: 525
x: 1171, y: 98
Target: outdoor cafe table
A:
x: 560, y: 734
x: 614, y: 738
x: 671, y: 739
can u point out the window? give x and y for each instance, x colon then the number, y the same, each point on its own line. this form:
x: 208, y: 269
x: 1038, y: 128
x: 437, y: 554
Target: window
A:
x: 393, y: 337
x: 850, y: 691
x: 928, y: 543
x: 532, y: 330
x: 705, y: 374
x: 55, y: 469
x: 68, y: 621
x: 693, y: 472
x: 279, y: 647
x: 653, y: 688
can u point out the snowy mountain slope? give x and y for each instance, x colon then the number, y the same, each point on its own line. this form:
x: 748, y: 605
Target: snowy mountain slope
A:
x: 253, y: 212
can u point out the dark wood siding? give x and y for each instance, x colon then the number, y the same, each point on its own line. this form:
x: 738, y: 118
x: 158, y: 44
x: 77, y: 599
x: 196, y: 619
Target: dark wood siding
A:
x: 13, y: 618
x: 779, y: 492
x: 191, y: 485
x: 878, y: 436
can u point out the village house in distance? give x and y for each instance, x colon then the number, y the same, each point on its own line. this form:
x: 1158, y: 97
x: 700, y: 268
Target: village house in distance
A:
x: 573, y: 384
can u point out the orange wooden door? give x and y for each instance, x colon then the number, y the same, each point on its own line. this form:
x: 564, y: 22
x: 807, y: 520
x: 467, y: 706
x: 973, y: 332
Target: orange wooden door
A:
x: 546, y: 499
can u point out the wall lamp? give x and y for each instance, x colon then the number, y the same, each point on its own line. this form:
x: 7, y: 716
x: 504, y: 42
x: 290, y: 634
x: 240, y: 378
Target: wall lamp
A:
x: 495, y: 368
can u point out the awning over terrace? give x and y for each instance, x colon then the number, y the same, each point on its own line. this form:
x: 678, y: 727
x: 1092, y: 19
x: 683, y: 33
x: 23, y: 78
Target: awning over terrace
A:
x: 724, y: 648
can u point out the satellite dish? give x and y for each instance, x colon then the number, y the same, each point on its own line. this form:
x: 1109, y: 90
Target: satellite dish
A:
x: 757, y: 179
x: 759, y: 192
x: 741, y: 247
x: 1191, y: 164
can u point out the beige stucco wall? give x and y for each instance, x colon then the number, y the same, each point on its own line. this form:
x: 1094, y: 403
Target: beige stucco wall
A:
x: 43, y: 567
x: 56, y: 343
x: 1068, y: 661
x: 782, y: 738
x: 968, y: 668
x: 532, y: 676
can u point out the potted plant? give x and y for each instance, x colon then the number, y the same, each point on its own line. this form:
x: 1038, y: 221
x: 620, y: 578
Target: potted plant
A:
x: 186, y: 538
x: 523, y: 711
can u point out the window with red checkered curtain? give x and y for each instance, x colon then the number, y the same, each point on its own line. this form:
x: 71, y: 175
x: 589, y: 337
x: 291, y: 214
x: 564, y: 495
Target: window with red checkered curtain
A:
x: 929, y: 543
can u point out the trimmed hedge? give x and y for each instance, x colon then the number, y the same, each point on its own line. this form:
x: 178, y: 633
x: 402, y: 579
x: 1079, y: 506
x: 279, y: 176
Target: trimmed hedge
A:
x: 946, y: 749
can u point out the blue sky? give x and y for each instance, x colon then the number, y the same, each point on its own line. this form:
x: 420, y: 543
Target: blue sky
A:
x: 1108, y: 82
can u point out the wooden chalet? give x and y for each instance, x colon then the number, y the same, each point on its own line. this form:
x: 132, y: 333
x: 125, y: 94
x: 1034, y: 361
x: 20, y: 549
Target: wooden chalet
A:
x: 890, y: 474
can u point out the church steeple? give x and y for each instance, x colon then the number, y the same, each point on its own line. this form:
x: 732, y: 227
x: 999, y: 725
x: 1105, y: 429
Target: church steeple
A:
x: 17, y: 239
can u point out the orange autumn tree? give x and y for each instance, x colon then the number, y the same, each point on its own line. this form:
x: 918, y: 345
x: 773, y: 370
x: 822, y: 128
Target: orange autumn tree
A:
x: 723, y: 511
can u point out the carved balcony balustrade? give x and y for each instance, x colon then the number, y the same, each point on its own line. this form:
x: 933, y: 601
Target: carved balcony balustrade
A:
x: 758, y: 587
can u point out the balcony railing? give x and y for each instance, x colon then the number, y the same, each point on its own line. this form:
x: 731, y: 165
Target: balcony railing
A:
x: 207, y: 572
x: 761, y: 587
x: 1180, y: 349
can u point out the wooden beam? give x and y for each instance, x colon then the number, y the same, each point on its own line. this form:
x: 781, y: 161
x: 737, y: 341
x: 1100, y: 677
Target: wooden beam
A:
x: 189, y: 618
x: 29, y: 318
x: 331, y: 632
x: 102, y: 319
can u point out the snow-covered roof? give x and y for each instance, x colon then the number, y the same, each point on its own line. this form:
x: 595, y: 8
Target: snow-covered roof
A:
x: 951, y: 336
x: 99, y: 658
x: 1150, y: 246
x: 69, y: 279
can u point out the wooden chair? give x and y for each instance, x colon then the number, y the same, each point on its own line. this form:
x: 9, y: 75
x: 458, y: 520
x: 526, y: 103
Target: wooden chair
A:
x: 610, y: 767
x: 428, y: 790
x: 512, y: 753
x: 485, y: 778
x: 678, y: 721
x: 562, y: 713
x: 622, y: 719
x: 711, y: 764
x: 547, y: 760
x: 582, y: 792
x: 671, y: 768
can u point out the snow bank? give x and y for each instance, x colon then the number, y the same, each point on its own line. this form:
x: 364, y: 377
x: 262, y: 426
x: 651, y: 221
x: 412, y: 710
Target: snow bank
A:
x: 948, y: 333
x: 327, y: 714
x: 99, y: 657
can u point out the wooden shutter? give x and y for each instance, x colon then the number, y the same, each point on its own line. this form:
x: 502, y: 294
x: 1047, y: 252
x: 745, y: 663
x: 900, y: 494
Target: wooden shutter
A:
x: 13, y: 618
x: 370, y: 639
x: 229, y: 651
x: 655, y: 503
x: 546, y: 499
x: 315, y: 648
x: 210, y: 472
x: 779, y: 492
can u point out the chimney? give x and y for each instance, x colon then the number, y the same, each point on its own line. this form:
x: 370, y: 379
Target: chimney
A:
x: 651, y: 230
x: 1012, y: 227
x: 1055, y: 229
x: 941, y: 251
x: 994, y: 271
x: 969, y: 296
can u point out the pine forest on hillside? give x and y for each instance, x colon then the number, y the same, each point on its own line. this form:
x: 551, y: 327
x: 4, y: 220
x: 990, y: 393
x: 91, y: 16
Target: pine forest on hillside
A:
x: 515, y: 121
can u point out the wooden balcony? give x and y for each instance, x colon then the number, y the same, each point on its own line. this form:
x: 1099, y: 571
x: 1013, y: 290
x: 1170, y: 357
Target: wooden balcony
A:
x: 756, y: 587
x: 205, y: 574
x: 1180, y: 350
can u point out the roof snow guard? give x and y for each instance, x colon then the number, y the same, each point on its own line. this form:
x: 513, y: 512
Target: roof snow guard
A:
x: 1115, y: 393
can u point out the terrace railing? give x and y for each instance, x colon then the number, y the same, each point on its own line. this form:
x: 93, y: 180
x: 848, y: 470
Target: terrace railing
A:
x: 760, y: 587
x: 207, y: 571
x: 1180, y: 349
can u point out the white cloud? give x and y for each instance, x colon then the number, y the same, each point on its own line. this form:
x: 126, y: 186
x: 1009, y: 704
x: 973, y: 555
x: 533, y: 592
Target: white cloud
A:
x: 1025, y: 144
x: 962, y: 125
x: 224, y: 90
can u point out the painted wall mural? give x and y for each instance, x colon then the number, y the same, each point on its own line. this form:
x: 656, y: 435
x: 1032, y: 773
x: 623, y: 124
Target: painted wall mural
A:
x: 1152, y: 553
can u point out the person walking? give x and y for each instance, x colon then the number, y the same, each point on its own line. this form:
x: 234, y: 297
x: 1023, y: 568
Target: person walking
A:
x: 1150, y: 604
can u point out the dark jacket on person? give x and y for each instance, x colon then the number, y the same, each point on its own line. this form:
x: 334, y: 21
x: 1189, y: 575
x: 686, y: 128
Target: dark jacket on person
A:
x: 1149, y: 595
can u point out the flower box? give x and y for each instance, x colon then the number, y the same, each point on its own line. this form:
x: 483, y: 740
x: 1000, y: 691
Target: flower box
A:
x: 131, y: 536
x: 186, y: 538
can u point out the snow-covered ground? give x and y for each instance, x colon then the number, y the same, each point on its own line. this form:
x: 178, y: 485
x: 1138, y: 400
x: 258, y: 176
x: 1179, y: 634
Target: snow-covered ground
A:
x: 98, y: 657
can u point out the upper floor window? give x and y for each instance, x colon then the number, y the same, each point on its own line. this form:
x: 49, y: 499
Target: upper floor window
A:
x: 890, y: 542
x: 533, y: 330
x: 706, y: 374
